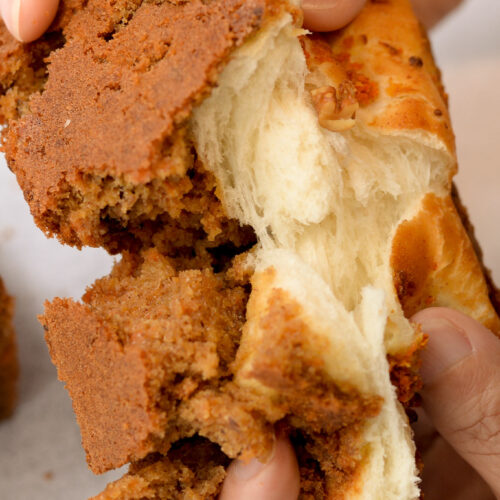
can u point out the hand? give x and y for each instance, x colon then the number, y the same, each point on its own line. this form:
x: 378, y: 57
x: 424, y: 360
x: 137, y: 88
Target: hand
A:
x: 28, y: 19
x: 461, y: 397
x: 328, y: 15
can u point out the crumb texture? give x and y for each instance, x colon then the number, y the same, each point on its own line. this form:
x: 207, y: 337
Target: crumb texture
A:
x: 193, y: 470
x: 161, y: 344
x: 152, y: 337
x: 128, y: 69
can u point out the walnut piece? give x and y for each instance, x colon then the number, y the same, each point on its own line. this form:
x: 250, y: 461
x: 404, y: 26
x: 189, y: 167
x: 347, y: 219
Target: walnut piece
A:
x: 336, y: 108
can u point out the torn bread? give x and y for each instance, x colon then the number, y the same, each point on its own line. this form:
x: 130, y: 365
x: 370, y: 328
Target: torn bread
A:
x: 283, y: 205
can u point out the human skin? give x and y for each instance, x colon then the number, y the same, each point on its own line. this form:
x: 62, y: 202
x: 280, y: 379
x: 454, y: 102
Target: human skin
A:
x: 28, y: 19
x: 329, y: 15
x: 461, y: 397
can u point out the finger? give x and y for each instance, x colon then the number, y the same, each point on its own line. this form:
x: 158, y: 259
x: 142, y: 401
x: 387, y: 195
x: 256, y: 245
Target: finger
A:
x: 329, y: 15
x: 430, y: 12
x: 446, y: 474
x: 461, y: 395
x: 27, y: 20
x: 278, y: 479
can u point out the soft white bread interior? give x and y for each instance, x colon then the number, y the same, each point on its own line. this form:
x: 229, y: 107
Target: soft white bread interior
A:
x: 324, y: 206
x: 334, y: 199
x: 326, y: 203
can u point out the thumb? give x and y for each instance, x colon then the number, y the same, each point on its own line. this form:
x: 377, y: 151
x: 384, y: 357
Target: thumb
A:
x: 278, y: 479
x: 461, y: 395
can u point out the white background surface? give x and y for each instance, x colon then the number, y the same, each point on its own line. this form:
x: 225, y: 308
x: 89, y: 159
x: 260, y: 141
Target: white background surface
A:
x: 40, y: 453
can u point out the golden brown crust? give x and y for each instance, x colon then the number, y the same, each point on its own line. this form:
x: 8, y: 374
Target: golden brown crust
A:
x: 398, y: 85
x: 434, y: 264
x: 494, y: 292
x: 8, y: 356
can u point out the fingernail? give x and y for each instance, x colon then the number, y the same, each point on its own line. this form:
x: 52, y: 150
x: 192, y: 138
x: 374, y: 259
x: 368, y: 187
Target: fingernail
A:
x: 245, y: 471
x: 448, y: 345
x: 11, y: 11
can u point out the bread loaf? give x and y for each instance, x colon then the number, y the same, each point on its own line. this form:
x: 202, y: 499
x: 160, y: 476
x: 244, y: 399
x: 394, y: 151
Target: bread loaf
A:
x: 282, y: 203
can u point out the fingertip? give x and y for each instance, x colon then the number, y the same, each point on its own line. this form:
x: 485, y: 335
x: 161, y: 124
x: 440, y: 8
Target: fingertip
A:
x: 447, y: 346
x: 27, y: 20
x: 435, y: 312
x: 330, y: 15
x: 277, y: 479
x: 461, y: 373
x: 480, y: 337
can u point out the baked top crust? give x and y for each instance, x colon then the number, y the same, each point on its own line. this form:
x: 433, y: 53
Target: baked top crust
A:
x: 124, y: 81
x: 23, y: 67
x: 194, y: 469
x: 435, y: 264
x: 392, y: 48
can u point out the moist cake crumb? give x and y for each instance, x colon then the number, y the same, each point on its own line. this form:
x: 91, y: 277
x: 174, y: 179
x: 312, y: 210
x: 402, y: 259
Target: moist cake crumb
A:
x: 193, y: 469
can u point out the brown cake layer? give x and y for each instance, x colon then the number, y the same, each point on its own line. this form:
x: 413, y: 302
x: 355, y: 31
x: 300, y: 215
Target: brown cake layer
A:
x: 8, y: 356
x: 149, y: 358
x: 23, y: 67
x: 103, y: 154
x: 194, y: 469
x: 151, y: 337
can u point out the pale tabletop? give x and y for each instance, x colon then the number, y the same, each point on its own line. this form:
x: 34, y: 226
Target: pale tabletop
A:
x: 40, y: 453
